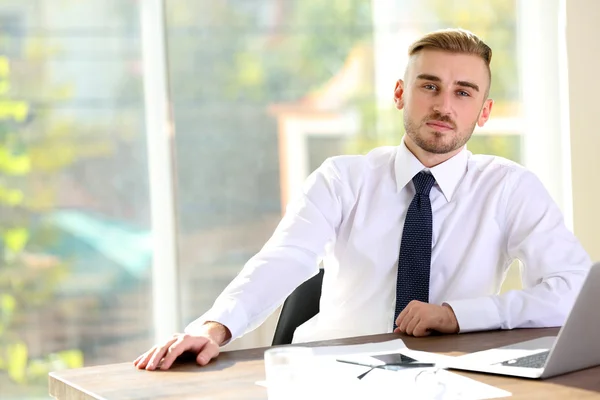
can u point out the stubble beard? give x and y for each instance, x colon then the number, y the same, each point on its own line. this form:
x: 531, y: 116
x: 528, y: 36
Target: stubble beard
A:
x: 437, y: 142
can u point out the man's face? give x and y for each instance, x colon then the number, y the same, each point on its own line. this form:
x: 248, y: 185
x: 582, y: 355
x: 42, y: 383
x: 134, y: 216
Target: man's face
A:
x: 443, y: 97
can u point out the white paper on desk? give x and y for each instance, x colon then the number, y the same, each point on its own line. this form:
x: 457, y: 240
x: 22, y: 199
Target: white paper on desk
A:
x: 338, y: 380
x: 445, y: 385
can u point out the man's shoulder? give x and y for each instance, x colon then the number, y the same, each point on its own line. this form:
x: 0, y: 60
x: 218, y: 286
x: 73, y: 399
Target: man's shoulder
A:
x: 517, y: 182
x: 495, y: 165
x: 379, y: 157
x: 355, y: 170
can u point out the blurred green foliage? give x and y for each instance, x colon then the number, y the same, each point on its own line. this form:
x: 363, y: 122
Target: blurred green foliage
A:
x: 27, y: 280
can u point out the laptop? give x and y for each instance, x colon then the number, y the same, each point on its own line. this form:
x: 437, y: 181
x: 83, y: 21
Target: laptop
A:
x: 577, y: 345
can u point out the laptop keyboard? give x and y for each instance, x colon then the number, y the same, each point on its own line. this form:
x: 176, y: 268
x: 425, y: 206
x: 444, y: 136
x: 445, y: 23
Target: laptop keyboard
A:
x: 537, y: 360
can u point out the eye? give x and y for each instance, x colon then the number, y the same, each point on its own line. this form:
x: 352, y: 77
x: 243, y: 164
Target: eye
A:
x: 430, y: 86
x: 462, y: 93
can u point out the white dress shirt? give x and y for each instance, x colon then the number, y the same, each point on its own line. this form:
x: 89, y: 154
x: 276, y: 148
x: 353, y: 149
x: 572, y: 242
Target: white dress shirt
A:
x: 487, y: 212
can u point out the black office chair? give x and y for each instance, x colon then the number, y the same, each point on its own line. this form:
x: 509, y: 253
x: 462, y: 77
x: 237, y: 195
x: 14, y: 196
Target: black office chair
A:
x: 299, y: 307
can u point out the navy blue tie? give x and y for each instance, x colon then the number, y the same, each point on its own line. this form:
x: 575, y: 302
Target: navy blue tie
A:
x: 414, y: 262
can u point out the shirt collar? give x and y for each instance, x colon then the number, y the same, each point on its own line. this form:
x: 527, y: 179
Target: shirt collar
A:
x: 447, y: 174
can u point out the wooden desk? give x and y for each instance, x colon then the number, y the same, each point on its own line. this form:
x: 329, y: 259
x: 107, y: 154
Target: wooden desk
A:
x: 233, y: 374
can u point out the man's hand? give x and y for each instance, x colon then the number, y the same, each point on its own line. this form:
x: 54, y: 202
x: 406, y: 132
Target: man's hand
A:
x: 419, y: 319
x: 205, y: 345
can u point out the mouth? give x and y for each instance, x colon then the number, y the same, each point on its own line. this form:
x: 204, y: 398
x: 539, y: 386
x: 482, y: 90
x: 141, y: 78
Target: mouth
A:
x: 439, y: 125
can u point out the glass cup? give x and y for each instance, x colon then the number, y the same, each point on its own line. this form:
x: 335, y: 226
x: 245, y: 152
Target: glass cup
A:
x: 431, y: 384
x: 289, y: 372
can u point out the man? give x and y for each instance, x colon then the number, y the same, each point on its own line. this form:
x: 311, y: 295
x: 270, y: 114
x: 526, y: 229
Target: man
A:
x: 414, y: 238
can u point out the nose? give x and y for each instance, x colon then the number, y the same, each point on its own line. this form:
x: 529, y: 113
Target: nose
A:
x: 443, y: 103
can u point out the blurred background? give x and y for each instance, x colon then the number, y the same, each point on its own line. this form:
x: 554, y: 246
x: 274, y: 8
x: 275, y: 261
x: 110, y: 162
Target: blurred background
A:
x: 260, y: 93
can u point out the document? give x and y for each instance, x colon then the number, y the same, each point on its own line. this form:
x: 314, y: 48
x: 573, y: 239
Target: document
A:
x: 428, y: 383
x: 329, y: 378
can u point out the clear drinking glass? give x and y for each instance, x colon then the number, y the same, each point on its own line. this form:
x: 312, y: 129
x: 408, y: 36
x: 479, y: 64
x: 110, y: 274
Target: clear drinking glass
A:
x: 289, y: 372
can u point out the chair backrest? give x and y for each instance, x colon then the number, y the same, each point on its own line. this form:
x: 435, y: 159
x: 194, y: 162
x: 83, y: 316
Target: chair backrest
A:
x: 299, y: 307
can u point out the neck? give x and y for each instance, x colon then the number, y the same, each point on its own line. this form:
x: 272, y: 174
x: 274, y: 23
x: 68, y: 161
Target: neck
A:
x: 426, y: 158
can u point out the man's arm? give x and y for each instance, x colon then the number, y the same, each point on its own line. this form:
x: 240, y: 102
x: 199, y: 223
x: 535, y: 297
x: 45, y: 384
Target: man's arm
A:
x: 554, y: 264
x: 290, y: 257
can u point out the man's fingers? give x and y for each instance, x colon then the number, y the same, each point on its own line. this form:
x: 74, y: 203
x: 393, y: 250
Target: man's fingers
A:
x: 402, y: 315
x: 420, y: 319
x: 158, y: 355
x: 402, y: 318
x: 410, y: 327
x: 142, y: 360
x: 404, y: 323
x: 410, y: 308
x: 146, y: 358
x: 411, y: 313
x: 422, y: 329
x: 137, y: 360
x: 208, y: 352
x: 204, y: 346
x: 176, y: 349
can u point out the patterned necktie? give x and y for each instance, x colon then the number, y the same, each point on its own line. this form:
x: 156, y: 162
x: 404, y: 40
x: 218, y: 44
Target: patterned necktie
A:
x: 414, y: 262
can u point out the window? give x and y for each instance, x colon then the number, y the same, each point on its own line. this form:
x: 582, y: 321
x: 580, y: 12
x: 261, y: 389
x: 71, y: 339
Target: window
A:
x: 75, y: 253
x: 260, y: 102
x: 261, y: 92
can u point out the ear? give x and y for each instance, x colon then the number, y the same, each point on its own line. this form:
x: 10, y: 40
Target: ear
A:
x: 484, y: 115
x: 399, y: 94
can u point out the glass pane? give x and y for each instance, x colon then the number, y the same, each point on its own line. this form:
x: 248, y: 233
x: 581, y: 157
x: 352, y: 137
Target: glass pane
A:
x: 75, y: 255
x: 265, y: 90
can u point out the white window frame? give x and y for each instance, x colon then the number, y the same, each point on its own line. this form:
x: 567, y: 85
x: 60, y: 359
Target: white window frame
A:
x: 160, y: 136
x: 543, y: 76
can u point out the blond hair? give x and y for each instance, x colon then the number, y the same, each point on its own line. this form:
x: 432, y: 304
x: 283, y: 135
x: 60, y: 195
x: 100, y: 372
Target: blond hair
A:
x: 454, y: 41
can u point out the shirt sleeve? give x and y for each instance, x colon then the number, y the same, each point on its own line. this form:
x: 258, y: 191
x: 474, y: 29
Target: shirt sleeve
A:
x: 290, y: 257
x: 554, y: 264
